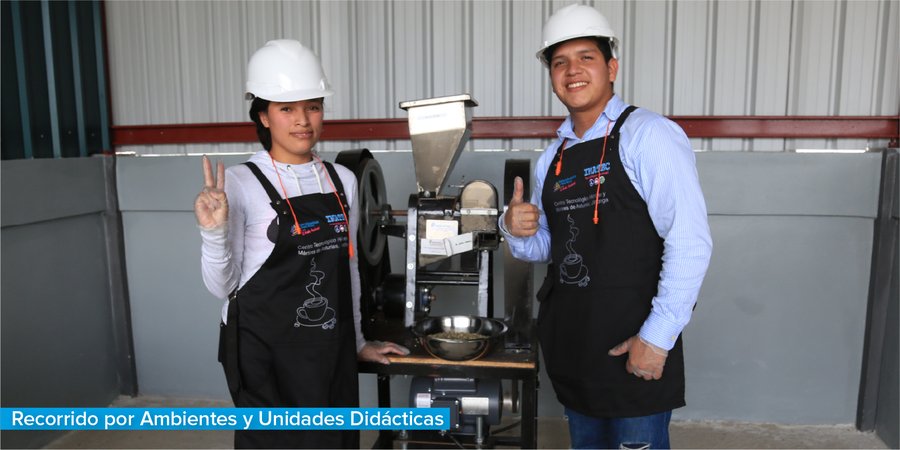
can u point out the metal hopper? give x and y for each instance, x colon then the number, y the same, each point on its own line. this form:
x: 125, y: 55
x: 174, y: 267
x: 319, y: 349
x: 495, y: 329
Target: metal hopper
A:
x: 439, y: 129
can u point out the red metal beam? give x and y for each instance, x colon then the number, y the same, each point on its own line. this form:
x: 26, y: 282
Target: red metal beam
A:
x: 789, y: 127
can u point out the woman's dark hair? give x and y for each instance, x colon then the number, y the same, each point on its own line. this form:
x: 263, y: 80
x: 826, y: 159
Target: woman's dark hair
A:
x: 263, y: 133
x: 602, y: 44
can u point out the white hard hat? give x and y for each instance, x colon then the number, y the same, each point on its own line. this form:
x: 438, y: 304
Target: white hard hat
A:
x: 284, y: 70
x: 575, y: 21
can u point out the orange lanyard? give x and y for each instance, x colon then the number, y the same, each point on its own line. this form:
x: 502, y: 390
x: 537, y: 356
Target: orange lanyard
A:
x: 602, y: 157
x: 294, y: 214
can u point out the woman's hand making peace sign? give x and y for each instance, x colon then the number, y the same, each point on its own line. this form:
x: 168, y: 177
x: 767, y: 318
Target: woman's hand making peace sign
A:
x: 211, y: 206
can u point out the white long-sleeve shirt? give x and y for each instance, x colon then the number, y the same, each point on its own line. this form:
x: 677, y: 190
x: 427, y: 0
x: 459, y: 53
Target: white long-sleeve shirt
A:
x: 232, y: 254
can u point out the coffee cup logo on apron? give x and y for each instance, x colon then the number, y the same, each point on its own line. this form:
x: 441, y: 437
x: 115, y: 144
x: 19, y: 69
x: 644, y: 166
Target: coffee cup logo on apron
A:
x: 572, y: 269
x: 315, y: 311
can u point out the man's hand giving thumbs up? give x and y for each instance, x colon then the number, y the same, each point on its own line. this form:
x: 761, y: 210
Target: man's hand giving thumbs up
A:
x: 521, y: 217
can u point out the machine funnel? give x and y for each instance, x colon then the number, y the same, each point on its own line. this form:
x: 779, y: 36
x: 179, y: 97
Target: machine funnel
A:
x: 439, y: 129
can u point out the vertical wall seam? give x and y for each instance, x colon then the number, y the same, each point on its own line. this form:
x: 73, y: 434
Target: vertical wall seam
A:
x: 428, y: 48
x: 711, y: 35
x: 508, y: 52
x: 211, y: 60
x: 51, y: 79
x: 712, y: 19
x: 792, y: 66
x: 316, y: 24
x: 753, y: 52
x: 881, y: 43
x: 839, y: 40
x: 21, y: 76
x: 145, y: 64
x: 546, y: 99
x: 794, y: 55
x: 117, y: 283
x: 506, y: 45
x: 671, y: 57
x: 391, y: 59
x: 102, y: 86
x: 753, y: 67
x: 76, y: 74
x: 630, y: 25
x: 472, y: 74
x: 354, y: 63
x: 181, y: 68
x: 281, y: 23
x: 244, y: 34
x: 469, y: 26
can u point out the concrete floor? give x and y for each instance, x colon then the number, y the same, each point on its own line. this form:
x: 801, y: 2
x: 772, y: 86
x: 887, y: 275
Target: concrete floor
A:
x: 552, y: 433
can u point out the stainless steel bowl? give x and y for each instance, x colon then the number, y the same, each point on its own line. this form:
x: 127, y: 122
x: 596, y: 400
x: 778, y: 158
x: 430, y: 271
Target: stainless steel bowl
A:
x: 458, y: 349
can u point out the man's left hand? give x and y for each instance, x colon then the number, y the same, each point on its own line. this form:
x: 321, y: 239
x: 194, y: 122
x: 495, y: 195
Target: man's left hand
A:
x: 645, y: 360
x: 375, y: 351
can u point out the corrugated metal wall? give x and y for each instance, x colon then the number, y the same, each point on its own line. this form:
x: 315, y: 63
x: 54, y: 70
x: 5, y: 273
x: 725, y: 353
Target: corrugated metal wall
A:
x: 185, y: 61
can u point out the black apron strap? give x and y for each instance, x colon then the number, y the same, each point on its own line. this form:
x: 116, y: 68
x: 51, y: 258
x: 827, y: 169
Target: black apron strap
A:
x: 621, y: 120
x: 338, y: 186
x: 228, y: 348
x: 273, y: 194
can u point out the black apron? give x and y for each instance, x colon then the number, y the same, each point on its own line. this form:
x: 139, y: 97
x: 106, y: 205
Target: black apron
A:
x: 600, y: 285
x: 290, y: 339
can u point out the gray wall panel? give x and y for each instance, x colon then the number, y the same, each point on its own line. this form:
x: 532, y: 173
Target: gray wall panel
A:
x: 35, y: 190
x: 57, y: 337
x: 140, y: 188
x: 175, y: 320
x: 790, y: 184
x: 768, y: 319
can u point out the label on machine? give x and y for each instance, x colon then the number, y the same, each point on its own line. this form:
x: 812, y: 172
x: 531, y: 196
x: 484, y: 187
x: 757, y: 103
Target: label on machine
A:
x: 441, y: 229
x: 447, y: 246
x: 442, y: 238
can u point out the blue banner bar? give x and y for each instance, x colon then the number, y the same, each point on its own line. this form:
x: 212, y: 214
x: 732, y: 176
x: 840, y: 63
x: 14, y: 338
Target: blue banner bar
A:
x: 224, y: 418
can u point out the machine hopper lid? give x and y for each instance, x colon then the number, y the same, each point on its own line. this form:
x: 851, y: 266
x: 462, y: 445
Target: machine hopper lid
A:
x: 439, y: 129
x: 466, y: 98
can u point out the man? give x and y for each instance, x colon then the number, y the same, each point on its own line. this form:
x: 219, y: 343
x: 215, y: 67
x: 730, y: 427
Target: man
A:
x: 618, y: 213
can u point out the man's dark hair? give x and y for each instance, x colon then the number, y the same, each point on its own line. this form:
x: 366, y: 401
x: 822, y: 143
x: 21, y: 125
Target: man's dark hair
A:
x: 263, y: 133
x: 602, y: 44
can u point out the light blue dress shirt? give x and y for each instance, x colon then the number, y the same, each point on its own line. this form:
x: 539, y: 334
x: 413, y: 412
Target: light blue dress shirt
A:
x: 660, y: 163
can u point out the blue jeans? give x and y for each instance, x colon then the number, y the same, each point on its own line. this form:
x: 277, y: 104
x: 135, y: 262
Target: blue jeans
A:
x: 624, y: 433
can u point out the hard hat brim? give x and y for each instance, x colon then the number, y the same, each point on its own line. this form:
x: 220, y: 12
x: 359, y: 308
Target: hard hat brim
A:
x: 292, y: 96
x: 614, y: 45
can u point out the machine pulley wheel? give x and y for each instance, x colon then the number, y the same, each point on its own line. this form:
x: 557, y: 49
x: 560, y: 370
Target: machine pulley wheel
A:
x: 372, y: 197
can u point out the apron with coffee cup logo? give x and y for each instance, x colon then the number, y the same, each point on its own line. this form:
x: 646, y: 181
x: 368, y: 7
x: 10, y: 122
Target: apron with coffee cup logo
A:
x: 295, y: 337
x: 600, y: 285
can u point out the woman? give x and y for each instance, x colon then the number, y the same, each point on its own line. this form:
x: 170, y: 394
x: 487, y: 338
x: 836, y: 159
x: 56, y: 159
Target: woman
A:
x: 278, y: 241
